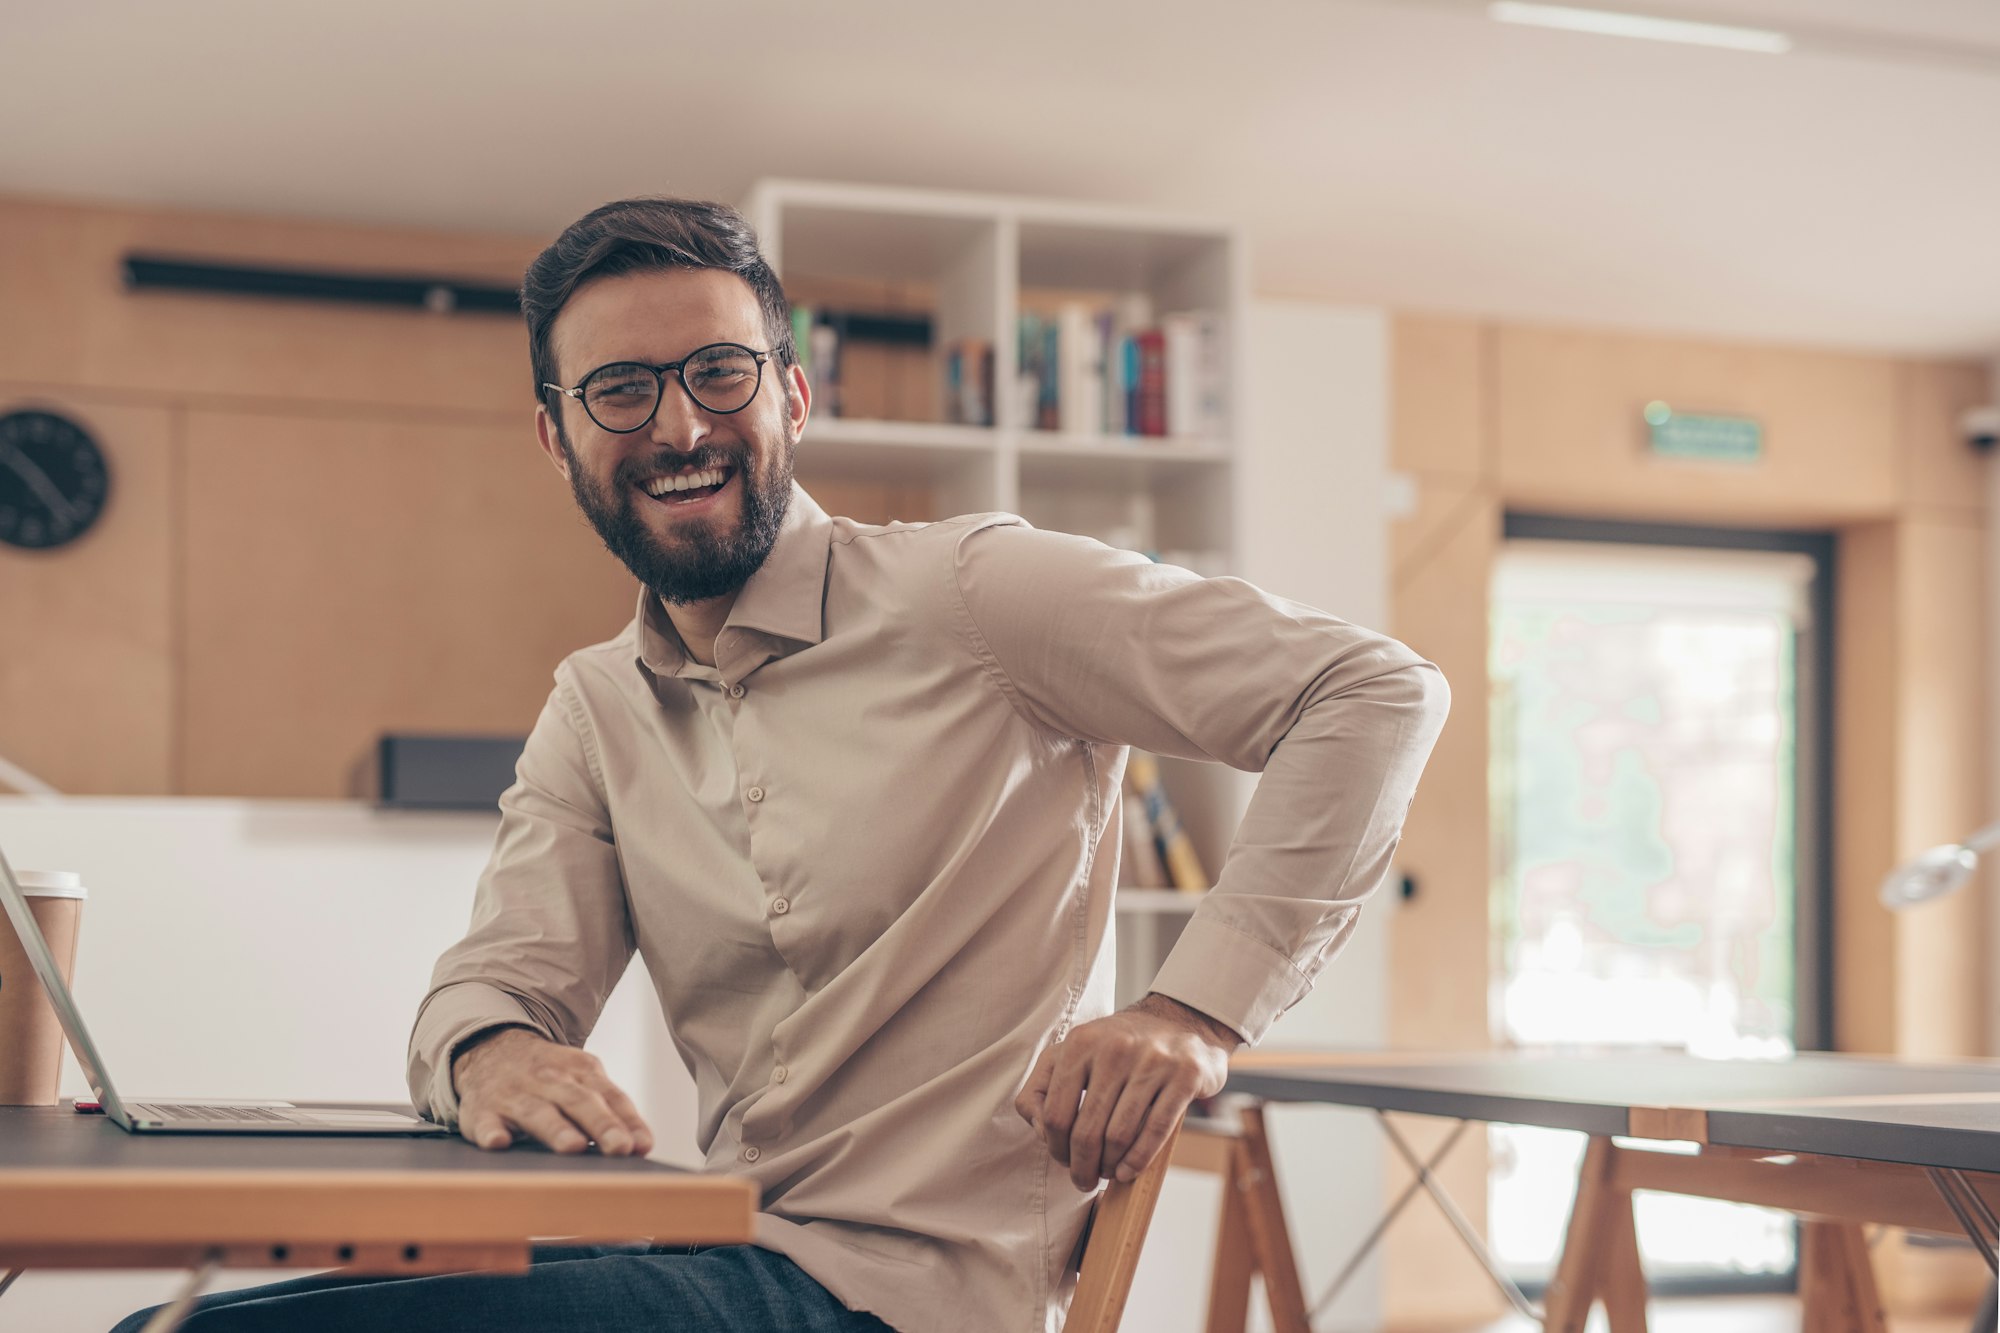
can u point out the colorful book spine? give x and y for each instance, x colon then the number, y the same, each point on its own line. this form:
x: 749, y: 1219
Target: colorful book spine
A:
x: 1152, y: 396
x: 1088, y: 372
x: 1049, y: 410
x: 802, y: 324
x: 968, y: 382
x: 823, y: 375
x: 1128, y: 355
x: 1177, y: 851
x: 1140, y: 866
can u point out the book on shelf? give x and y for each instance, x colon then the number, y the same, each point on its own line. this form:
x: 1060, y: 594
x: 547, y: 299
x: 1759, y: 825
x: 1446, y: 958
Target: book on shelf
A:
x: 1148, y: 394
x: 1175, y: 848
x: 1141, y: 866
x: 1117, y: 371
x: 968, y: 382
x: 1079, y: 372
x: 816, y: 338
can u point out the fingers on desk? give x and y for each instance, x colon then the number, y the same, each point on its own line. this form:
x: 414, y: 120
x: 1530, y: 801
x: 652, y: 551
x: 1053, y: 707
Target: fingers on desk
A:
x: 566, y: 1114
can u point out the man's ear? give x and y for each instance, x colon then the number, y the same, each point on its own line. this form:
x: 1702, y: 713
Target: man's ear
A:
x: 545, y: 432
x: 798, y: 403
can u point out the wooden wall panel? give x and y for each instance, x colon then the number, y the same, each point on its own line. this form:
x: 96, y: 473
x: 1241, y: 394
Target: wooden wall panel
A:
x: 1910, y: 755
x: 1941, y: 469
x: 869, y: 502
x: 60, y: 263
x: 350, y: 577
x: 86, y: 674
x: 1437, y: 398
x: 1571, y: 438
x: 1940, y: 947
x: 1867, y: 775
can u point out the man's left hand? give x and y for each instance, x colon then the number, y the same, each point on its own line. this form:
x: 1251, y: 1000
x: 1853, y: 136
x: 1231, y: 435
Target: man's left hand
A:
x: 1106, y: 1097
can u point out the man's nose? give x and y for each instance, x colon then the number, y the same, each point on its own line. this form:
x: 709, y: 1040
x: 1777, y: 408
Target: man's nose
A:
x: 680, y: 423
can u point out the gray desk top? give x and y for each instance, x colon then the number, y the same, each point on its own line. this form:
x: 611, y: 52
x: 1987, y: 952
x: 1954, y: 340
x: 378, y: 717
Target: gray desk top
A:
x: 1840, y: 1105
x: 1961, y: 1134
x: 41, y: 1137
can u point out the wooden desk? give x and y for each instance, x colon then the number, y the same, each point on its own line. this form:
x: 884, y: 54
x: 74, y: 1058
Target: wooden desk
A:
x: 1839, y: 1140
x: 78, y: 1192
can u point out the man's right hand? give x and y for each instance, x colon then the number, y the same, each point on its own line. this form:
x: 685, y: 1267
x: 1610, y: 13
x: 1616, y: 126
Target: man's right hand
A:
x: 519, y: 1081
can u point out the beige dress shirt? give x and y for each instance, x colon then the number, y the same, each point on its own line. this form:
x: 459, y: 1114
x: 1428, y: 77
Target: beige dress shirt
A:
x: 868, y: 860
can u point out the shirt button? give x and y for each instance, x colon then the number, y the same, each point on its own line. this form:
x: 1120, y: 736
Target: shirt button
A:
x: 781, y: 906
x: 751, y: 1154
x: 780, y: 1074
x: 736, y: 691
x: 755, y: 794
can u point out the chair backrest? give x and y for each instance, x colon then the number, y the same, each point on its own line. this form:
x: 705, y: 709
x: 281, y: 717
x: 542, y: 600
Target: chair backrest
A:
x: 1111, y: 1254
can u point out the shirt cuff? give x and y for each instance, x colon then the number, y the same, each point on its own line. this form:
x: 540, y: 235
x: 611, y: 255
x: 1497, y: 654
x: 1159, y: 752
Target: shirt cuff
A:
x: 453, y: 1016
x: 1234, y: 978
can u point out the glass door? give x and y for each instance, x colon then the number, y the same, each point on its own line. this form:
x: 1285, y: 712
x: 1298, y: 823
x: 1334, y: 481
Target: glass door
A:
x: 1657, y: 781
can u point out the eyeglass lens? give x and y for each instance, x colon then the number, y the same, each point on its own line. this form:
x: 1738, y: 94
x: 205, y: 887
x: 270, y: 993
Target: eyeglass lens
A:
x: 722, y: 378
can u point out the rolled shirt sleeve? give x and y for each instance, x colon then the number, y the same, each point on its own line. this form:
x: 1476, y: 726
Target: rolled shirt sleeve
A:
x: 551, y: 933
x: 1110, y: 647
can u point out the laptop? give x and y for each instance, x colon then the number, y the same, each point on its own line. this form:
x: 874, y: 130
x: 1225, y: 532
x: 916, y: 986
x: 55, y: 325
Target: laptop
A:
x: 234, y: 1116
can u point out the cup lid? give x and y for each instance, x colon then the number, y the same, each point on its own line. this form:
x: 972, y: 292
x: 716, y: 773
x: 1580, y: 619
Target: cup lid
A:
x: 51, y: 883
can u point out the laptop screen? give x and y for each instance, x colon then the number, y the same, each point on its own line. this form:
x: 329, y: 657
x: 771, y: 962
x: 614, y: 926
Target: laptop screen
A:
x: 16, y: 903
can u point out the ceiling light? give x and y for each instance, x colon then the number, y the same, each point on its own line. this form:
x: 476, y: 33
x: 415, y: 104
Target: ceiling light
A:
x: 1610, y: 23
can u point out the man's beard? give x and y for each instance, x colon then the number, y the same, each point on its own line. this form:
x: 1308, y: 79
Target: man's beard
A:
x: 701, y: 563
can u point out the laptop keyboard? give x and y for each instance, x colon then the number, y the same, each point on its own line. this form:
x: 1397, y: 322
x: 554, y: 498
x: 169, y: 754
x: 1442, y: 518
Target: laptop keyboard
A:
x: 247, y: 1115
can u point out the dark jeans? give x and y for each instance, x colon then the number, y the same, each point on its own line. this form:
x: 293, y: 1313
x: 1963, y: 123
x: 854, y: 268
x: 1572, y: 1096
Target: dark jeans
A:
x: 612, y: 1288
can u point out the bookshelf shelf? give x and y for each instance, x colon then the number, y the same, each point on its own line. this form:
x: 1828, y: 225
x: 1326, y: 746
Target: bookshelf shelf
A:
x: 916, y: 436
x: 1169, y: 449
x: 1110, y: 462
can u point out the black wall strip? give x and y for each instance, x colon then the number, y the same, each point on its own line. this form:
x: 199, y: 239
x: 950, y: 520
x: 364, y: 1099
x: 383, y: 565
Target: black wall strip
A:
x: 444, y: 295
x: 413, y: 292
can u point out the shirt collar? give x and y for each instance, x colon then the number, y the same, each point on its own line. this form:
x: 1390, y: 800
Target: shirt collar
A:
x: 784, y: 599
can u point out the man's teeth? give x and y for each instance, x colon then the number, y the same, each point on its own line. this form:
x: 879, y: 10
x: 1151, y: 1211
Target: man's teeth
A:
x: 686, y: 481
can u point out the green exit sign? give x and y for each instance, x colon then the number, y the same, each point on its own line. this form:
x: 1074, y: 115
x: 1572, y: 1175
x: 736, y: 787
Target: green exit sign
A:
x: 1715, y: 439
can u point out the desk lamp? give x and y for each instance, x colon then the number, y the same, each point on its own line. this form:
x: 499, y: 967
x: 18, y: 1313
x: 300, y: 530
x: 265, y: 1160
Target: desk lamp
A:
x: 1938, y: 871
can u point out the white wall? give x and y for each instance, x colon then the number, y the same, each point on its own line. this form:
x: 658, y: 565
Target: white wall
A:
x: 1311, y: 525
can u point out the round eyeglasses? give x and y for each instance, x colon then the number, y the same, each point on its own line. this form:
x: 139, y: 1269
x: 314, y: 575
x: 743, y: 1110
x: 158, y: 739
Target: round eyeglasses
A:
x: 624, y: 396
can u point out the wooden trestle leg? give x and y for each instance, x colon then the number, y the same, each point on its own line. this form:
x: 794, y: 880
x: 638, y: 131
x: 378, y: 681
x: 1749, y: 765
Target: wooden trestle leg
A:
x: 1600, y: 1258
x: 1252, y: 1238
x: 1837, y: 1292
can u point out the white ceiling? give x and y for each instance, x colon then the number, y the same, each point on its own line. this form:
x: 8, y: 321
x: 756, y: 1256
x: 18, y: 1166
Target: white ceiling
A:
x: 1407, y: 152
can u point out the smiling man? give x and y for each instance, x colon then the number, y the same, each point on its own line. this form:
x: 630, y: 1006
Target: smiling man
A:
x: 852, y: 794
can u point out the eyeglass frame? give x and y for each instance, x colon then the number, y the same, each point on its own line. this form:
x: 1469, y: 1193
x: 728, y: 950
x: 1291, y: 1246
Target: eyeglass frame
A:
x: 660, y: 375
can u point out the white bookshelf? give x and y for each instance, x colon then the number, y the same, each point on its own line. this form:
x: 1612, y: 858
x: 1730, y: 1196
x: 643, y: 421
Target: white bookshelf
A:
x: 982, y: 258
x: 978, y: 254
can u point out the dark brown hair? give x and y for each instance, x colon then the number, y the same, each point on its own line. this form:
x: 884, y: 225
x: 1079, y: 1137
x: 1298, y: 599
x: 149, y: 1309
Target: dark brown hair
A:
x: 635, y: 235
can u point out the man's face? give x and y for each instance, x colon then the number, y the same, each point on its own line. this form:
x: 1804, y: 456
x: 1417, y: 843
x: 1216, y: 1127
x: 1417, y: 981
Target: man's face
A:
x: 696, y: 544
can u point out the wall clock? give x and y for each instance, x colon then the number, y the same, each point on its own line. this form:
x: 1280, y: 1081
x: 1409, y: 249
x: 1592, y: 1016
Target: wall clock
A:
x: 53, y: 481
